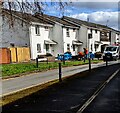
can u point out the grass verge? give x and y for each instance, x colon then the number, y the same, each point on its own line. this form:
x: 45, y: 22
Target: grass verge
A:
x: 26, y: 68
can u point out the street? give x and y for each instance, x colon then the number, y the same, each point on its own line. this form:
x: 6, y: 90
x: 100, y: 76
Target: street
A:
x: 66, y: 97
x: 108, y: 101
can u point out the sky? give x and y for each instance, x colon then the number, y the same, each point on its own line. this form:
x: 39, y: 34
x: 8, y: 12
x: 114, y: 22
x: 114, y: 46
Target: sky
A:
x: 106, y: 12
x: 101, y: 12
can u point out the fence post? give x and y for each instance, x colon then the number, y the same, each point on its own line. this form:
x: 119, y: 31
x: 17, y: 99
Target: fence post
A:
x: 89, y: 65
x: 60, y: 73
x: 37, y: 62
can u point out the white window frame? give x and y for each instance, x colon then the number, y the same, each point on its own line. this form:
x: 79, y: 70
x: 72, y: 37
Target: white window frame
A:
x: 67, y: 32
x: 38, y: 48
x: 37, y: 29
x: 68, y: 47
x: 46, y: 28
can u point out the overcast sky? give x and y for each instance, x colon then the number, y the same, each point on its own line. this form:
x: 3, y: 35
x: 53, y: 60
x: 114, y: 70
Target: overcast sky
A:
x: 102, y: 11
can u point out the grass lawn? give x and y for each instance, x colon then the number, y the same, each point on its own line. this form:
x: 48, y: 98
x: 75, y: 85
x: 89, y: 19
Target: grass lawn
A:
x: 12, y: 69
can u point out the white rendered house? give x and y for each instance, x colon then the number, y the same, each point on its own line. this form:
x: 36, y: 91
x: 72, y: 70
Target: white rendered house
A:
x: 27, y: 31
x: 66, y: 36
x: 94, y: 43
x: 40, y: 39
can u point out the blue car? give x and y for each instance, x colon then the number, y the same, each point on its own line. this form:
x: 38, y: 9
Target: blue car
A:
x: 65, y: 56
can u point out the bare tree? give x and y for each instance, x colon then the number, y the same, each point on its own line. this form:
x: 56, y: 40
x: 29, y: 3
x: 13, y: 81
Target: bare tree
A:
x: 26, y: 6
x: 34, y: 6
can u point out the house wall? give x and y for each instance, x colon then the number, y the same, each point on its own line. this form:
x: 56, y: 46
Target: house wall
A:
x: 83, y: 37
x: 117, y: 38
x: 69, y: 40
x: 38, y: 39
x: 113, y: 38
x: 58, y: 37
x: 95, y: 37
x: 17, y: 35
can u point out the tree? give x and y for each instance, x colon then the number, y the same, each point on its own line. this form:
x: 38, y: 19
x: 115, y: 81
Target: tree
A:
x: 33, y: 7
x: 26, y: 6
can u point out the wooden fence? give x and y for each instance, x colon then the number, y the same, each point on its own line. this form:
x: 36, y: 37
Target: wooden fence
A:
x: 13, y: 55
x: 4, y: 56
x: 20, y: 54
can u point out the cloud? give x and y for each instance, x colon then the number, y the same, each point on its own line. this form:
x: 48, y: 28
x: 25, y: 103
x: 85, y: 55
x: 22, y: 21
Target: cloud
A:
x: 82, y: 16
x: 105, y: 18
x: 95, y: 5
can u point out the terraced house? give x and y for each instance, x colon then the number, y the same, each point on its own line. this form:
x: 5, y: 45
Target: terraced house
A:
x: 48, y: 34
x: 65, y: 34
x: 95, y: 36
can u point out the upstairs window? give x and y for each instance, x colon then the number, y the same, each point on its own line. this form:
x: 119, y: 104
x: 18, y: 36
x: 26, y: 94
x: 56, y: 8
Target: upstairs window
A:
x: 95, y: 31
x: 46, y: 28
x: 37, y: 30
x: 74, y: 30
x: 91, y: 30
x: 67, y: 32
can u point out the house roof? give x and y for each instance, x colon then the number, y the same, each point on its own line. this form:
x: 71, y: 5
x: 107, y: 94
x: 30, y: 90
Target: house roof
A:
x: 25, y: 16
x: 89, y: 24
x: 56, y: 19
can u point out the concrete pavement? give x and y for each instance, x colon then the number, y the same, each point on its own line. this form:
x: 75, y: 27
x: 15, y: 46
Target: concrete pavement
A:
x: 13, y: 85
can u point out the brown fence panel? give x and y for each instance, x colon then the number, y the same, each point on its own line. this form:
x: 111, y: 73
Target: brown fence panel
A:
x: 19, y: 54
x: 23, y: 54
x: 26, y: 54
x: 4, y: 56
x: 13, y: 55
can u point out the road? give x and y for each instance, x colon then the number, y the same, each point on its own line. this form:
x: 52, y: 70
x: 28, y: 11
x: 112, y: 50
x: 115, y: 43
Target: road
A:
x: 66, y: 97
x: 19, y: 83
x: 108, y: 100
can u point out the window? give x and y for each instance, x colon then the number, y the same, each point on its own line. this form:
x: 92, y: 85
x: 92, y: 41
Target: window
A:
x: 89, y: 36
x: 67, y: 32
x: 110, y: 48
x: 12, y: 44
x: 91, y: 30
x: 47, y: 47
x: 95, y: 31
x: 96, y: 47
x: 73, y: 47
x: 74, y: 30
x: 91, y: 47
x: 68, y: 47
x: 37, y: 30
x: 46, y: 28
x: 38, y: 48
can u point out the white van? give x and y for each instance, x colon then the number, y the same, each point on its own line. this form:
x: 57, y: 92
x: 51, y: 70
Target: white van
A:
x: 111, y: 53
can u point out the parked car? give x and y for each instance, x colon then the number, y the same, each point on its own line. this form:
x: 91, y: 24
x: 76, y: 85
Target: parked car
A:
x: 111, y: 53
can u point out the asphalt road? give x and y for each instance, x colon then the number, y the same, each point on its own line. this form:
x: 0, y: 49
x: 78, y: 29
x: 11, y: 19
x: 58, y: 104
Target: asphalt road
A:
x: 66, y: 97
x: 19, y: 83
x: 108, y: 100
